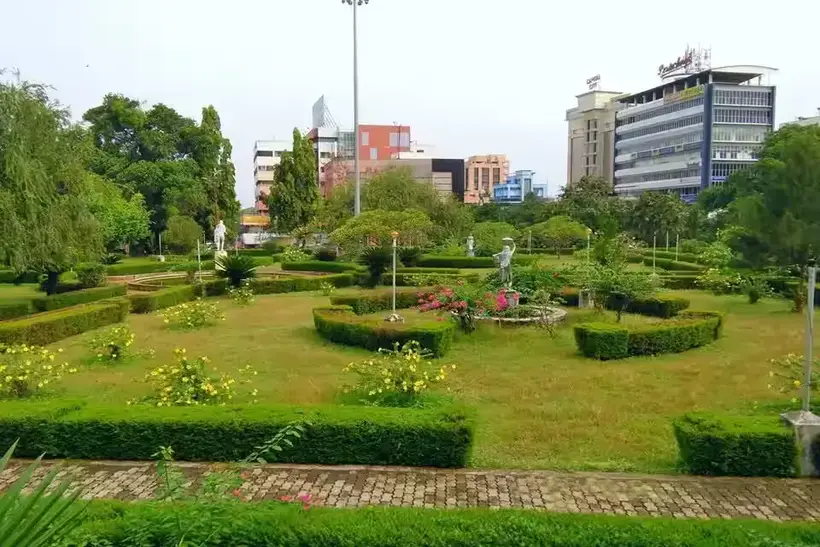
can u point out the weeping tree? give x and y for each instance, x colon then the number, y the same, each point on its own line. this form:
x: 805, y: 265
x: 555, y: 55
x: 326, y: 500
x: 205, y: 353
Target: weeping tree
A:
x: 45, y: 220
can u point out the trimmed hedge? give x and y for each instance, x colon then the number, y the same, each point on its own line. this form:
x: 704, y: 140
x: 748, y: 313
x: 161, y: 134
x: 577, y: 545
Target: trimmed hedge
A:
x: 298, y: 284
x: 655, y: 306
x: 74, y: 298
x: 321, y: 266
x: 45, y: 328
x: 404, y: 280
x: 670, y: 255
x: 450, y: 271
x: 363, y: 304
x: 436, y: 437
x: 10, y: 276
x: 146, y: 302
x: 272, y: 524
x: 751, y: 446
x: 666, y: 264
x: 431, y: 261
x: 679, y: 281
x: 126, y: 268
x: 340, y: 325
x: 9, y: 309
x: 611, y: 341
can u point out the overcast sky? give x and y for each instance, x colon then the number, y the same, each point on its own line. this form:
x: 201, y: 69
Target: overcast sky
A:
x: 470, y: 76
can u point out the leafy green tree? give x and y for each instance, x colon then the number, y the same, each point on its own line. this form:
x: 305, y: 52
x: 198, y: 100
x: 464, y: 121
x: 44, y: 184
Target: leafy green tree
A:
x: 45, y: 217
x: 294, y: 194
x: 122, y: 221
x: 558, y: 233
x: 657, y: 213
x: 373, y: 229
x: 591, y: 201
x: 489, y: 235
x: 620, y: 287
x: 182, y: 234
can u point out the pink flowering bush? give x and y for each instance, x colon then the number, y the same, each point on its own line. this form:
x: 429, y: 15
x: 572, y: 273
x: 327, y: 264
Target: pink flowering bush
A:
x: 467, y: 303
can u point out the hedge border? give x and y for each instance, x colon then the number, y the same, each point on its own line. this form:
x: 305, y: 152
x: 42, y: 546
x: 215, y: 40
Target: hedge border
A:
x: 321, y: 266
x: 432, y: 261
x: 338, y: 434
x: 666, y: 264
x: 44, y: 328
x: 17, y: 278
x: 362, y: 304
x: 340, y: 325
x: 720, y: 444
x: 611, y: 341
x: 74, y: 298
x: 403, y: 280
x: 263, y: 285
x: 654, y: 306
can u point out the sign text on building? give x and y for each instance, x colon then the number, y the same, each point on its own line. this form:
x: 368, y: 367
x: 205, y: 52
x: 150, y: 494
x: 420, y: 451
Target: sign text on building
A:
x: 594, y: 82
x: 684, y: 62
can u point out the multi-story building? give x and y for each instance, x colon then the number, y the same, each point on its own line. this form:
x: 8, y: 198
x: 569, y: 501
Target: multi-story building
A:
x: 266, y: 156
x: 482, y: 174
x: 590, y: 139
x: 518, y: 186
x: 693, y: 130
x: 801, y: 120
x: 446, y: 175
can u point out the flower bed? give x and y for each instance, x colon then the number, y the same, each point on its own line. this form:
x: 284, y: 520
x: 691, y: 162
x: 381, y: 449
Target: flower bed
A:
x: 44, y: 328
x: 609, y: 341
x: 340, y: 325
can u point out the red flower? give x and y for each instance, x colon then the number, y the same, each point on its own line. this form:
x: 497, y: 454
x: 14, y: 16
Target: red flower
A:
x: 421, y: 300
x: 237, y: 493
x: 555, y: 275
x: 286, y: 498
x: 304, y: 498
x: 305, y: 506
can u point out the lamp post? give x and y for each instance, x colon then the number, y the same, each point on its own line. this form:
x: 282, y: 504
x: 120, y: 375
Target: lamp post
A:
x: 589, y: 244
x: 357, y: 204
x: 654, y: 247
x: 812, y: 274
x: 394, y: 317
x: 677, y: 245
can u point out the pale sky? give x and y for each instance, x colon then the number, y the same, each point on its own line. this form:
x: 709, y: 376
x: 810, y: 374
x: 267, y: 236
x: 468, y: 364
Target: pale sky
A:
x: 470, y: 76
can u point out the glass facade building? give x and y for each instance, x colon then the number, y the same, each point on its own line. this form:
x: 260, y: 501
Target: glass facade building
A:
x: 517, y: 186
x: 693, y: 132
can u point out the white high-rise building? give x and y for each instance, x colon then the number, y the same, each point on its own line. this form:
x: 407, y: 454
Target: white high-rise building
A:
x: 266, y: 156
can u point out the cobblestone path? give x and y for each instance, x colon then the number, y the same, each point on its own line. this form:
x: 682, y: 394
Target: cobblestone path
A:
x: 347, y: 486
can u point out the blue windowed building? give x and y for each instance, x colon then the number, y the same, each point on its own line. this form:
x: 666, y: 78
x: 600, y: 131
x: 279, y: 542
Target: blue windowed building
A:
x: 517, y: 186
x: 692, y: 131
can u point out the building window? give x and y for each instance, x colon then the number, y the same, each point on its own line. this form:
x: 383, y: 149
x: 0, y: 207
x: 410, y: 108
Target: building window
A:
x: 485, y: 177
x: 365, y: 138
x: 496, y: 175
x: 324, y: 154
x: 278, y: 154
x: 475, y: 178
x: 374, y: 153
x: 264, y: 153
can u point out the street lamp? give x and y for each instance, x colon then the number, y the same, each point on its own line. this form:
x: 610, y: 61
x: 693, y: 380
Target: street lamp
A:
x: 394, y: 317
x: 357, y: 204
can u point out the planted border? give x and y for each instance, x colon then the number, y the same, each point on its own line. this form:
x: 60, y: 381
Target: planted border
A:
x: 655, y: 306
x: 715, y: 444
x: 321, y: 266
x: 666, y: 264
x: 404, y: 279
x: 44, y: 328
x: 608, y: 341
x: 362, y: 304
x: 74, y: 298
x: 437, y: 437
x: 299, y: 284
x: 340, y: 325
x: 431, y: 261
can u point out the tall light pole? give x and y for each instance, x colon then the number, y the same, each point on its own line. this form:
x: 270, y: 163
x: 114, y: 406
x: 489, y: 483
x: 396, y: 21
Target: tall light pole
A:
x: 357, y: 206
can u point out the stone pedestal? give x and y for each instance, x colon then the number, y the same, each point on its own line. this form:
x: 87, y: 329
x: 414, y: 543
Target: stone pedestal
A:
x: 218, y: 256
x: 161, y: 258
x: 807, y: 432
x: 585, y: 299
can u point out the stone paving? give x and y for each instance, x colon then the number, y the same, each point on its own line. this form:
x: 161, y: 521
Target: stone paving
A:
x: 348, y: 486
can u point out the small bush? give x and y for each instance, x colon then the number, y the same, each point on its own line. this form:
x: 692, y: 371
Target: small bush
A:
x: 318, y: 266
x: 327, y: 288
x: 17, y: 278
x: 602, y: 341
x: 43, y: 329
x: 91, y: 275
x: 293, y: 254
x: 12, y: 309
x: 409, y: 256
x: 236, y: 268
x: 272, y: 246
x: 396, y: 377
x: 26, y: 370
x: 679, y: 281
x: 114, y: 344
x: 340, y: 325
x: 74, y: 298
x: 656, y: 306
x: 325, y: 254
x: 720, y: 281
x: 112, y: 258
x: 146, y: 302
x: 382, y: 300
x: 377, y: 260
x: 299, y: 284
x: 750, y: 446
x: 430, y: 261
x: 192, y: 315
x: 242, y: 296
x: 666, y: 264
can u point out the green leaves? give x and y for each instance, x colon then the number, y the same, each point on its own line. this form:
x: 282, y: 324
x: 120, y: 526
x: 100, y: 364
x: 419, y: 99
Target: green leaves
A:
x: 294, y: 193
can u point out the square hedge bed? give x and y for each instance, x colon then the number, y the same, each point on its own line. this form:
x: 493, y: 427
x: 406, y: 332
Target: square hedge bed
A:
x: 336, y: 434
x: 48, y: 327
x: 340, y: 325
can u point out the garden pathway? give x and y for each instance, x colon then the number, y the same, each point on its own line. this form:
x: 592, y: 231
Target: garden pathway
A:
x: 349, y: 486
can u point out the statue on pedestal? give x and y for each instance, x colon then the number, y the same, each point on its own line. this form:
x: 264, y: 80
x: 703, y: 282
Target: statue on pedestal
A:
x: 219, y: 236
x: 470, y: 245
x: 504, y: 259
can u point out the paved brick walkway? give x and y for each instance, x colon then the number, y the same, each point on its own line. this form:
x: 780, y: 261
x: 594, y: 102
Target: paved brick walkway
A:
x: 347, y: 486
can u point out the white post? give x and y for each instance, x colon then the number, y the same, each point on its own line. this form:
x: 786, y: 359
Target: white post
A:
x: 357, y: 206
x: 809, y: 337
x: 161, y: 257
x: 589, y: 245
x: 529, y: 243
x: 667, y: 240
x: 654, y: 247
x: 199, y: 260
x: 677, y: 245
x: 394, y: 275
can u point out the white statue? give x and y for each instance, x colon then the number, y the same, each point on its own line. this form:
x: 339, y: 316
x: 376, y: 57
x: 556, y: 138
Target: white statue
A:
x: 219, y: 236
x: 504, y: 259
x: 470, y: 245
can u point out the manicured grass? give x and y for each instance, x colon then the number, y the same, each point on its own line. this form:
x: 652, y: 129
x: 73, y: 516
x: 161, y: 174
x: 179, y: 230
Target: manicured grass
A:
x: 25, y: 291
x: 539, y: 403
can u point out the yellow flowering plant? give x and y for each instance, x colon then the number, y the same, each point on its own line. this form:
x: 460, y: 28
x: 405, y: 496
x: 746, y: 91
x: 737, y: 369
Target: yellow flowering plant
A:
x: 396, y: 377
x: 113, y: 344
x: 25, y: 370
x: 186, y: 382
x: 242, y: 296
x: 192, y: 315
x: 786, y: 375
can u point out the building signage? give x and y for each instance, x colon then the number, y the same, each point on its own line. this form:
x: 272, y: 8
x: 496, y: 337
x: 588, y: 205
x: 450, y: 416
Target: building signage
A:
x: 682, y: 62
x: 594, y: 82
x: 684, y: 94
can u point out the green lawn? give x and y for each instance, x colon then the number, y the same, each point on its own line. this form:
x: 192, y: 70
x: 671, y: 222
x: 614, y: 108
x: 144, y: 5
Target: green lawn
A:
x: 539, y: 404
x: 19, y: 292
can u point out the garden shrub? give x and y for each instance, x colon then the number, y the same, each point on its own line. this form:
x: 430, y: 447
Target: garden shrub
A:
x: 108, y: 523
x: 340, y: 325
x: 45, y: 328
x: 325, y: 254
x: 192, y: 315
x: 357, y: 435
x: 10, y: 276
x: 679, y: 281
x: 258, y: 253
x: 320, y: 266
x: 445, y: 271
x: 29, y: 369
x: 74, y: 298
x: 409, y: 256
x: 235, y: 268
x: 715, y: 444
x: 377, y: 260
x: 135, y: 268
x: 242, y: 296
x: 374, y: 301
x: 146, y: 302
x: 430, y: 261
x: 670, y: 255
x: 413, y: 279
x: 689, y: 330
x: 14, y: 308
x: 114, y: 344
x: 666, y: 264
x: 91, y: 275
x: 212, y: 287
x: 266, y: 285
x: 654, y: 306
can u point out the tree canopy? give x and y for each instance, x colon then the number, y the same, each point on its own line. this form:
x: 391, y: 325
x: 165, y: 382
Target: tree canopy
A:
x: 294, y: 196
x: 373, y: 228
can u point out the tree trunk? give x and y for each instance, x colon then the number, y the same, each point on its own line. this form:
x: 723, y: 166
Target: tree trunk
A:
x: 52, y: 279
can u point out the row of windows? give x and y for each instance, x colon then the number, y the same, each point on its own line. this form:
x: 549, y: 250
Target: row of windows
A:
x: 268, y: 154
x: 725, y: 169
x: 666, y: 153
x: 592, y: 124
x: 739, y: 133
x: 265, y: 168
x: 746, y: 97
x: 591, y: 136
x: 404, y: 138
x: 666, y: 175
x: 666, y: 109
x: 668, y: 126
x: 735, y: 151
x: 628, y: 148
x: 743, y: 115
